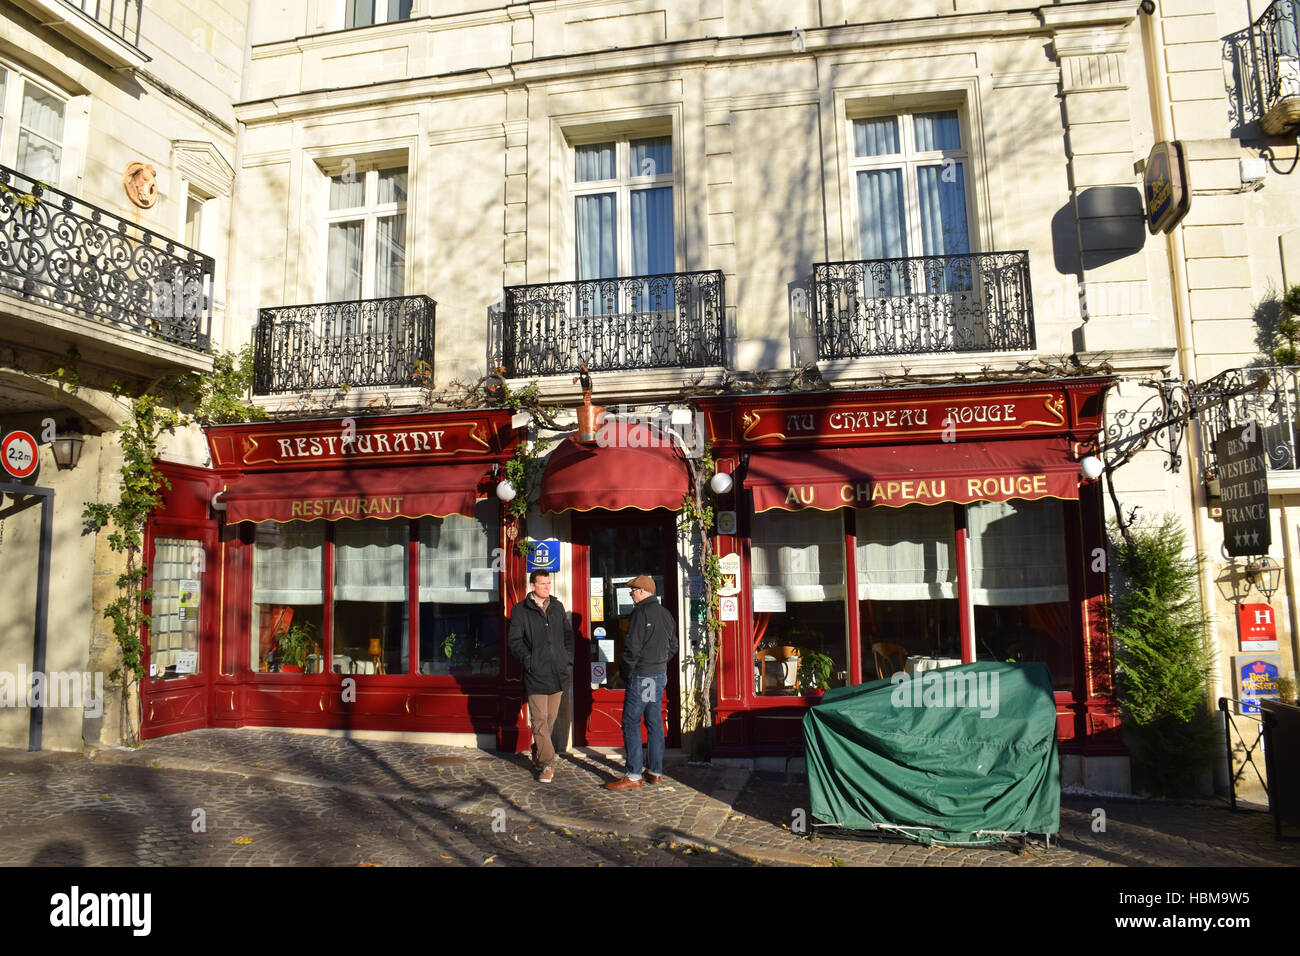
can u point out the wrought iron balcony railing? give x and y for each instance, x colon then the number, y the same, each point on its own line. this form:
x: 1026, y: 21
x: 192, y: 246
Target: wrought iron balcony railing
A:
x: 119, y: 17
x: 1275, y: 50
x: 972, y: 302
x: 1275, y: 409
x: 58, y: 249
x: 671, y: 320
x: 369, y: 342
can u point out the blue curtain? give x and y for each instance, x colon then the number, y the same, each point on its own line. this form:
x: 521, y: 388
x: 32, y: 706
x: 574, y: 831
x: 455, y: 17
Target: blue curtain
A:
x: 875, y: 137
x: 651, y: 157
x: 595, y: 162
x: 937, y: 131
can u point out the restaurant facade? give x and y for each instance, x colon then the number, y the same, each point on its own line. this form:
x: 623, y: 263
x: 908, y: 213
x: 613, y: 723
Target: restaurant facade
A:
x: 876, y: 530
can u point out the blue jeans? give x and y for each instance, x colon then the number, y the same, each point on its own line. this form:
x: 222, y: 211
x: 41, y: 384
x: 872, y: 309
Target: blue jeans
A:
x: 644, y: 696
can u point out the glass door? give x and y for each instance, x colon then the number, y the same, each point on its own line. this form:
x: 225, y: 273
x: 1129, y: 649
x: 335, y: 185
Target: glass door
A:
x: 610, y: 549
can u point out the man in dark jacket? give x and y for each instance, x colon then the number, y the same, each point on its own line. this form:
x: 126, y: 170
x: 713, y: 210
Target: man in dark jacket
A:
x: 541, y: 636
x: 650, y: 644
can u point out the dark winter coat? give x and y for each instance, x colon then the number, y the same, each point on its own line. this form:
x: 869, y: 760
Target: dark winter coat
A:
x: 543, y: 643
x: 651, y: 639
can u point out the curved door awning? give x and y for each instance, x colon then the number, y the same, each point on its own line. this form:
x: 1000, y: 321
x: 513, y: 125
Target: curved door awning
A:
x: 334, y: 495
x: 632, y: 466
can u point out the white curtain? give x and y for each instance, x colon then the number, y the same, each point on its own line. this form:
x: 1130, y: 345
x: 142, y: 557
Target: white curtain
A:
x: 876, y: 137
x: 390, y: 256
x: 392, y: 185
x: 343, y: 271
x: 450, y: 548
x: 880, y: 214
x: 288, y: 563
x: 906, y: 554
x: 597, y: 242
x: 594, y: 162
x: 370, y: 560
x: 41, y: 136
x: 802, y: 553
x: 942, y: 194
x: 1017, y: 552
x: 348, y: 192
x: 650, y: 157
x: 936, y: 131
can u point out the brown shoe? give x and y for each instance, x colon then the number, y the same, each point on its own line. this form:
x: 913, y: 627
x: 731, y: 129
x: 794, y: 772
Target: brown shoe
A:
x: 653, y: 777
x: 547, y: 775
x: 622, y: 783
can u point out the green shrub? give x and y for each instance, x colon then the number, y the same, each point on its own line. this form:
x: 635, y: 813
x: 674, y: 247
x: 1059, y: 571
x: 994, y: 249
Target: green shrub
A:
x: 1163, y: 658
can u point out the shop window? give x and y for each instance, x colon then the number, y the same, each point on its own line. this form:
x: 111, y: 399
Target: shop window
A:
x: 364, y: 13
x: 907, y: 585
x: 460, y: 614
x: 1019, y: 585
x: 288, y: 596
x: 623, y: 209
x: 366, y: 225
x: 370, y: 598
x: 174, y: 629
x: 909, y: 173
x: 797, y: 569
x: 31, y: 127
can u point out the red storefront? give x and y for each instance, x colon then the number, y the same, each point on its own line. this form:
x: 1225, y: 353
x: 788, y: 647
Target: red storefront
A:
x: 338, y: 573
x: 927, y: 525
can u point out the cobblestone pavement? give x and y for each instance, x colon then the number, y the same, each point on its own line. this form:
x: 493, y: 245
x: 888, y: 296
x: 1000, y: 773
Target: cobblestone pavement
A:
x: 280, y: 798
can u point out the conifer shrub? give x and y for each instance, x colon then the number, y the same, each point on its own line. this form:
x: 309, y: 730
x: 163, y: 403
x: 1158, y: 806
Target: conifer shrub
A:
x: 1163, y: 658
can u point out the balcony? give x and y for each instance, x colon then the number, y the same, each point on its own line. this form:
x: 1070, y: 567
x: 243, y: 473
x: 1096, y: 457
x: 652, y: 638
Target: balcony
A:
x: 1275, y: 50
x: 973, y: 302
x: 666, y: 321
x: 371, y: 342
x: 1275, y: 409
x: 58, y: 250
x: 107, y: 29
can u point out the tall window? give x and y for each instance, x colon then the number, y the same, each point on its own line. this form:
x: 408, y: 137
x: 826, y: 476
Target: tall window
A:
x: 288, y: 596
x: 31, y: 126
x: 460, y: 611
x: 364, y: 13
x: 623, y: 207
x: 910, y: 178
x: 797, y: 568
x: 367, y: 234
x: 177, y: 590
x: 370, y: 607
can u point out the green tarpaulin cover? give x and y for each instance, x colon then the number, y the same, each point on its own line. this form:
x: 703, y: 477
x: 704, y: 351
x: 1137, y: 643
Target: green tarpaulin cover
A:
x: 950, y: 752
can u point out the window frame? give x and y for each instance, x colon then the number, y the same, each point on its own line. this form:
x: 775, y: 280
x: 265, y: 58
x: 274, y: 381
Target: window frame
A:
x: 11, y: 123
x: 329, y: 600
x: 910, y: 160
x: 375, y: 14
x: 622, y: 186
x: 368, y: 214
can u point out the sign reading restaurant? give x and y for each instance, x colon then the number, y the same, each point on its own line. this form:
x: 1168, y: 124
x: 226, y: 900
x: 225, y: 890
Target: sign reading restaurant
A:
x: 350, y: 441
x: 1243, y: 488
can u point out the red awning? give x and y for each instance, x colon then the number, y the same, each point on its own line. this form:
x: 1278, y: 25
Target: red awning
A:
x: 632, y: 467
x: 898, y: 475
x: 435, y: 490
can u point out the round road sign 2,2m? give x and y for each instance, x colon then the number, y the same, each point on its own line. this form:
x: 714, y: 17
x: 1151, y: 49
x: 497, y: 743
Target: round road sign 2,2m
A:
x: 19, y: 453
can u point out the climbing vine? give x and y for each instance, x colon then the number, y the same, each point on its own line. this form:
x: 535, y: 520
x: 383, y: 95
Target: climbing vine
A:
x: 216, y: 397
x: 697, y: 525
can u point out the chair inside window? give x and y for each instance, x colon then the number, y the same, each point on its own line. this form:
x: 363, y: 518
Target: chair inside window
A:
x: 885, y: 654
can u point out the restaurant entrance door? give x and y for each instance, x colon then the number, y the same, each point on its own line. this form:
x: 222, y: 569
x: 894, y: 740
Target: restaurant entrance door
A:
x: 609, y: 549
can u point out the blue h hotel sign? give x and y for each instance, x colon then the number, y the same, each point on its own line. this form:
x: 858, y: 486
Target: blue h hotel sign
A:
x: 544, y: 555
x: 1165, y: 187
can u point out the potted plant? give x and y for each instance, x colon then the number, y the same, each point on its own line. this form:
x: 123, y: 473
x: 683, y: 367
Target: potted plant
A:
x: 814, y: 673
x: 292, y: 646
